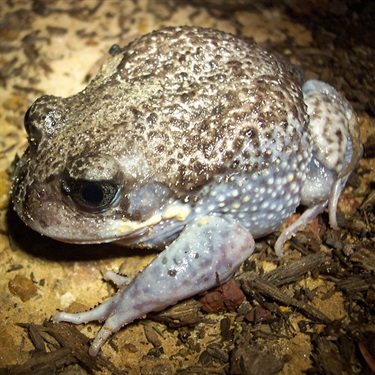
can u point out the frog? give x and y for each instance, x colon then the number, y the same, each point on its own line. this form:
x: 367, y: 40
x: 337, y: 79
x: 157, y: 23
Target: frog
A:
x: 191, y: 141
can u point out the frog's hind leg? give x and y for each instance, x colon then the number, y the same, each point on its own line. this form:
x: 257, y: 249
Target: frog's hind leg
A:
x: 335, y: 140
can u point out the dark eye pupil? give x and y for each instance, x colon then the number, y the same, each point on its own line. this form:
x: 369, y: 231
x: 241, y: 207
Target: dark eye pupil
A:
x: 92, y: 193
x: 91, y: 196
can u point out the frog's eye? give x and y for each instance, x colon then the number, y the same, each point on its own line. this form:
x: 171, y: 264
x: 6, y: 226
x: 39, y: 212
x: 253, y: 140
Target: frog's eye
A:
x: 92, y: 196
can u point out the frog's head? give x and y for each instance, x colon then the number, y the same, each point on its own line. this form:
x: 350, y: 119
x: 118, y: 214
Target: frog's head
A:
x: 70, y: 187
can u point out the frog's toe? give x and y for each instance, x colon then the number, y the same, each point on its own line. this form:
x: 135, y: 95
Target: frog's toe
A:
x: 117, y: 279
x: 100, y: 313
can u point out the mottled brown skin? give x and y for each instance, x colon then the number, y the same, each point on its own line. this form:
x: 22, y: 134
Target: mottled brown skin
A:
x: 158, y: 123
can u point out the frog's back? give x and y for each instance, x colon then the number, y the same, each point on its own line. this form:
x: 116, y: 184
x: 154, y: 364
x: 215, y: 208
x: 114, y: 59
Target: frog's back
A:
x: 198, y: 104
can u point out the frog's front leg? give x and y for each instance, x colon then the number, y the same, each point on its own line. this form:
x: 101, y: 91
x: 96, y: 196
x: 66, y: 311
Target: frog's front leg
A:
x: 336, y: 147
x: 207, y: 253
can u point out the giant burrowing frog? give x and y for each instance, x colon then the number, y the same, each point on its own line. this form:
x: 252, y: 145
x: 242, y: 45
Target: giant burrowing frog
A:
x: 190, y: 139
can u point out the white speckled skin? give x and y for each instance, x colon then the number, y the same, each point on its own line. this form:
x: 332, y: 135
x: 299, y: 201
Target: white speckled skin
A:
x: 191, y: 138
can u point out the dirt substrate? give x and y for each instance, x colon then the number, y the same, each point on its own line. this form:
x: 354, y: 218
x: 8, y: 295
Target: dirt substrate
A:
x: 312, y: 311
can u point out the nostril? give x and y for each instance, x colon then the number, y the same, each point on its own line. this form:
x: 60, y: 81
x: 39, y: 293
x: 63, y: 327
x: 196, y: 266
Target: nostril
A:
x: 42, y: 195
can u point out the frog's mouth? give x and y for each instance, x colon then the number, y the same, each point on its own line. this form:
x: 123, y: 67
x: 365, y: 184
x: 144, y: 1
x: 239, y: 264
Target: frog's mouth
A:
x: 131, y: 238
x: 60, y: 222
x: 158, y: 235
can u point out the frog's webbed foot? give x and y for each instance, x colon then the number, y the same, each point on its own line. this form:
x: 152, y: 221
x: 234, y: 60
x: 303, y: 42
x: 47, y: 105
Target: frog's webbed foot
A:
x: 336, y: 150
x: 207, y: 252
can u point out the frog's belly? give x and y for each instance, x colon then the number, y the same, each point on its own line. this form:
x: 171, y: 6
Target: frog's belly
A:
x: 262, y: 201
